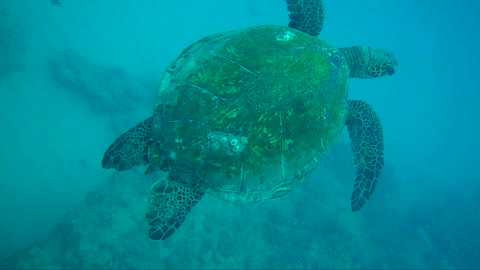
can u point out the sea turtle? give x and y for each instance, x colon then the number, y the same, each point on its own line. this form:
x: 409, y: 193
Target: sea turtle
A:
x: 247, y: 114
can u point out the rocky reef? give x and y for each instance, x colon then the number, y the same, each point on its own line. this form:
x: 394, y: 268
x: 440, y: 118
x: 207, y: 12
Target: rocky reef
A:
x: 310, y: 228
x: 106, y: 89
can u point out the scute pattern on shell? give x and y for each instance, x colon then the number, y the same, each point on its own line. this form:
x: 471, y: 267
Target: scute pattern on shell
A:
x: 283, y: 99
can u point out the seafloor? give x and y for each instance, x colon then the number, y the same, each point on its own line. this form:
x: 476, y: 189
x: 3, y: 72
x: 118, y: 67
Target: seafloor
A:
x: 311, y: 227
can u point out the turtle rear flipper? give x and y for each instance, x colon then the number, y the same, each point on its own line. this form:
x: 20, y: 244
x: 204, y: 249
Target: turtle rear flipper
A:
x: 130, y: 149
x: 170, y: 202
x: 306, y: 16
x: 366, y: 133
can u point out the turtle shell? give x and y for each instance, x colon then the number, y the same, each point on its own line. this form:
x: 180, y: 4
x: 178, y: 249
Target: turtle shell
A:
x: 245, y: 115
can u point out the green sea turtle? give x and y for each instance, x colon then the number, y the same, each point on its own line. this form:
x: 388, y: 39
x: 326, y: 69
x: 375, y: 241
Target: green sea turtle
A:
x: 246, y: 115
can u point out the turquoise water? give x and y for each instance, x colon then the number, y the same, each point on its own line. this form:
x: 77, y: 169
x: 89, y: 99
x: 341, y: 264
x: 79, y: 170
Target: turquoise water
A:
x: 77, y: 74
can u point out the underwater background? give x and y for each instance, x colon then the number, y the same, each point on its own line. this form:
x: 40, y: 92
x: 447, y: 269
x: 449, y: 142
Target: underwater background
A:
x: 74, y: 75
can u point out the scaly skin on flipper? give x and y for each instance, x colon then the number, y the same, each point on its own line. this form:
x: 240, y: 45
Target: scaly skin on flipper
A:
x: 130, y: 149
x: 366, y: 62
x: 366, y: 133
x: 306, y: 16
x: 170, y: 202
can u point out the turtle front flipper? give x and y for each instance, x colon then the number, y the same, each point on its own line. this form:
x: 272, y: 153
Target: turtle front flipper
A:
x: 170, y: 202
x: 306, y: 16
x: 366, y: 133
x: 367, y: 62
x: 130, y: 149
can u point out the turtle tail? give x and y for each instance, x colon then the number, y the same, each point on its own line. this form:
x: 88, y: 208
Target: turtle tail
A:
x: 366, y: 133
x: 130, y: 149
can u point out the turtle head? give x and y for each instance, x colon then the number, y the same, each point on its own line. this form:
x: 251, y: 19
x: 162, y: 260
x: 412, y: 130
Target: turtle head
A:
x: 367, y: 62
x: 380, y: 63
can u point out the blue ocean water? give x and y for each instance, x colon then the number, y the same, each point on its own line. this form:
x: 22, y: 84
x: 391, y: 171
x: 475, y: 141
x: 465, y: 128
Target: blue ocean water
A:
x: 74, y: 75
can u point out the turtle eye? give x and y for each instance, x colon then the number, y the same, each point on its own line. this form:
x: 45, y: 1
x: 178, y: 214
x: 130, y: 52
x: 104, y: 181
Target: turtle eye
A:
x: 392, y: 67
x: 389, y: 70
